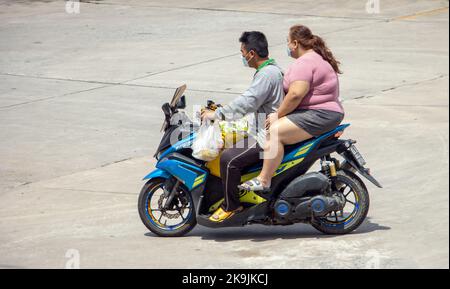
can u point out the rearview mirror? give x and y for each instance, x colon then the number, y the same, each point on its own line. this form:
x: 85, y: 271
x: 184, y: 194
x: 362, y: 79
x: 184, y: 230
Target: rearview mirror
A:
x: 181, y: 104
x: 166, y: 109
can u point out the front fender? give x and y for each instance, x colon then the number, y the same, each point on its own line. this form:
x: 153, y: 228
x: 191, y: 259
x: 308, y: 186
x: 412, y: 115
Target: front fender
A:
x: 189, y: 175
x: 158, y: 173
x: 192, y: 177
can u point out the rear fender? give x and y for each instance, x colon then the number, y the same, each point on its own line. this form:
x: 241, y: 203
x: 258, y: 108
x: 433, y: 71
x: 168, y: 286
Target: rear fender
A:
x: 353, y: 165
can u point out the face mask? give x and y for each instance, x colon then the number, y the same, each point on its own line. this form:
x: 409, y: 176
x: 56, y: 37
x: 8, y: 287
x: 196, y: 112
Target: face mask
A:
x: 244, y: 61
x: 288, y: 50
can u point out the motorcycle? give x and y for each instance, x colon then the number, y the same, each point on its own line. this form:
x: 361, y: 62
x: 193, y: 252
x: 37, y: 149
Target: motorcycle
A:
x: 184, y: 191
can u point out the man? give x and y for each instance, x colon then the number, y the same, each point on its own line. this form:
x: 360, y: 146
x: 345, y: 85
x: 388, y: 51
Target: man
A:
x: 261, y: 99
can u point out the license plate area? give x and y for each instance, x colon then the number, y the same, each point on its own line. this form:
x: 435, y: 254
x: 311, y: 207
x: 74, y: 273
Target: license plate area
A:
x: 357, y: 155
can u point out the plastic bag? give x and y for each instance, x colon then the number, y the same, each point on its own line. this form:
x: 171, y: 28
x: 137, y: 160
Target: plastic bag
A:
x: 234, y: 131
x: 208, y: 142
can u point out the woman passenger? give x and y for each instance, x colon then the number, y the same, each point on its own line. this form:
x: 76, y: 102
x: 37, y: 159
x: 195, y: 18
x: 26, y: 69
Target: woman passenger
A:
x: 311, y: 106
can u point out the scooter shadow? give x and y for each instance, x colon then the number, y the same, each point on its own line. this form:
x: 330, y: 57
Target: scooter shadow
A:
x: 261, y: 233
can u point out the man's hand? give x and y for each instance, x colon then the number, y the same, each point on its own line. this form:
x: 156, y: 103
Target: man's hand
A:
x: 271, y: 118
x: 208, y: 115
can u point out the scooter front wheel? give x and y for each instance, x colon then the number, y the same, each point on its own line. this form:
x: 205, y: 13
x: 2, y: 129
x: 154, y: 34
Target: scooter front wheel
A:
x: 176, y: 220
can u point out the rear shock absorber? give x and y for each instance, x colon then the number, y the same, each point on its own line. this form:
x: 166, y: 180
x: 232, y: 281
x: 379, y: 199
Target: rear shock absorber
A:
x: 328, y: 167
x: 332, y: 169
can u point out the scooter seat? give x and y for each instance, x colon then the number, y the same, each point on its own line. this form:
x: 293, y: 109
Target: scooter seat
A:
x: 290, y: 148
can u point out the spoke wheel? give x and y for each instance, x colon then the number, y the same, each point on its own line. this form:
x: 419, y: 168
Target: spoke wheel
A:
x: 176, y: 219
x: 354, y: 210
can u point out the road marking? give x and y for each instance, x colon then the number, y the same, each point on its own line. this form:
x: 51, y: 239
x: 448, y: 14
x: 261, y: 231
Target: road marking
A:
x: 423, y: 13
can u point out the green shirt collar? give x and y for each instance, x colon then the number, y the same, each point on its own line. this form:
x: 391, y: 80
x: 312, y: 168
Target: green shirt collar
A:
x: 265, y: 63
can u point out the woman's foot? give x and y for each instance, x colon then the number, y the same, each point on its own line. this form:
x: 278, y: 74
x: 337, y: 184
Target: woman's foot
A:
x: 221, y: 215
x: 255, y: 185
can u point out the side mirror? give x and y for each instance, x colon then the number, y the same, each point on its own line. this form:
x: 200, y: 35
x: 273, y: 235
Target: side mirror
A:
x: 181, y: 104
x: 166, y: 109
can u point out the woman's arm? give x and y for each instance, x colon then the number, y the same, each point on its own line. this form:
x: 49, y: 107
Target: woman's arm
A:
x: 297, y: 90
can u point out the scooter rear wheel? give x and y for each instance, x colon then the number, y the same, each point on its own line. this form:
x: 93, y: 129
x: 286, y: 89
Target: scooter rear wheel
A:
x: 176, y: 221
x: 356, y: 195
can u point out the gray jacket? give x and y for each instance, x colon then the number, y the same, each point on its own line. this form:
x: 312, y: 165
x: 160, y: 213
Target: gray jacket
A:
x: 263, y: 97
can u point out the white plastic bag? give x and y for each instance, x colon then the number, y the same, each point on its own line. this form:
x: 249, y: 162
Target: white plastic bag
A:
x: 208, y: 142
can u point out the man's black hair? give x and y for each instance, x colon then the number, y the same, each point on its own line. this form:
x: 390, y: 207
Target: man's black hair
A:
x: 255, y: 41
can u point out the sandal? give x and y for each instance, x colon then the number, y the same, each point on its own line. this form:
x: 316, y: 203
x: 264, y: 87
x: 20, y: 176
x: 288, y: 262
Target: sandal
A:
x: 254, y: 185
x: 221, y: 215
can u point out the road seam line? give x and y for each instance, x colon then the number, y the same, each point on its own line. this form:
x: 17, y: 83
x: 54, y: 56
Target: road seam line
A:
x: 422, y: 13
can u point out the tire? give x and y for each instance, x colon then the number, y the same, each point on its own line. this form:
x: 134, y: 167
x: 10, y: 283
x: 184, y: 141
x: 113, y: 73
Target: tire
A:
x: 359, y: 214
x: 154, y: 225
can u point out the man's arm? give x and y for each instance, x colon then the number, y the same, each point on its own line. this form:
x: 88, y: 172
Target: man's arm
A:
x: 253, y: 98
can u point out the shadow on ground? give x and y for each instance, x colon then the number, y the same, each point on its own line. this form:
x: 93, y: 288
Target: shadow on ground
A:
x: 261, y: 233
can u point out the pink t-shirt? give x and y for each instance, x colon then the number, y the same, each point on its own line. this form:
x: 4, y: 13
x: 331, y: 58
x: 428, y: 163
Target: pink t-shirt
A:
x: 323, y: 80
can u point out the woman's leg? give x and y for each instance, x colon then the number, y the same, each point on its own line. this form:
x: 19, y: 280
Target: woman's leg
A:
x: 282, y: 132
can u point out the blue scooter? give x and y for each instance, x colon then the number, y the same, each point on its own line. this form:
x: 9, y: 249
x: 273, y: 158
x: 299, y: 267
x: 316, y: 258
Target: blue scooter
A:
x: 184, y: 191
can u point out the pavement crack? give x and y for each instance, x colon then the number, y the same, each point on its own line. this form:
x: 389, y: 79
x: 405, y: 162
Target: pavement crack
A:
x: 105, y: 84
x: 115, y: 162
x: 236, y: 11
x: 92, y: 191
x: 182, y: 67
x: 406, y: 105
x: 48, y: 98
x: 27, y: 183
x: 422, y: 13
x: 440, y: 76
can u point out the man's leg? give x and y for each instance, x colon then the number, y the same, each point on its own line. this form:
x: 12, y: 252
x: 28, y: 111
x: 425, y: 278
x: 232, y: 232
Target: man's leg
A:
x: 233, y: 160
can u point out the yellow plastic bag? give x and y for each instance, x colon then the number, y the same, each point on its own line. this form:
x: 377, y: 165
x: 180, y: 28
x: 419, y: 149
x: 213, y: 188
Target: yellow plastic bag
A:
x: 233, y: 131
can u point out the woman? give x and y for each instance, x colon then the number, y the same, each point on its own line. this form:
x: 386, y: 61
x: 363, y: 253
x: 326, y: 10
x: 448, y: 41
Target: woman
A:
x: 311, y: 106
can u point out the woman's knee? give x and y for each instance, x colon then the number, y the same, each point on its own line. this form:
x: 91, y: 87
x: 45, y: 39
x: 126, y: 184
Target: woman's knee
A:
x: 275, y: 130
x: 278, y: 132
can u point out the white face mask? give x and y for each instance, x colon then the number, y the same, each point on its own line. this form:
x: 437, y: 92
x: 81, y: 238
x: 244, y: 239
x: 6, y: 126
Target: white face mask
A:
x: 244, y: 61
x: 288, y: 50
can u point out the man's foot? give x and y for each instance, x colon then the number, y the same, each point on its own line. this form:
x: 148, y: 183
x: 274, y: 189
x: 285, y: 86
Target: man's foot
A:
x: 254, y: 185
x: 221, y: 215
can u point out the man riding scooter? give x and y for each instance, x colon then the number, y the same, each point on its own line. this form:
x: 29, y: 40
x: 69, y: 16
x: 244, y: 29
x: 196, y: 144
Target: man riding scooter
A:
x: 262, y: 98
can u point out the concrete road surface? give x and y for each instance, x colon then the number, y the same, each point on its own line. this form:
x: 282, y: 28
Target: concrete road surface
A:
x: 80, y: 97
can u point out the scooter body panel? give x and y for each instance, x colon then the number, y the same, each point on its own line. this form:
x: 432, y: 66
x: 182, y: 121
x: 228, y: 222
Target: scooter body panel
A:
x: 208, y: 189
x: 189, y: 175
x: 158, y: 173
